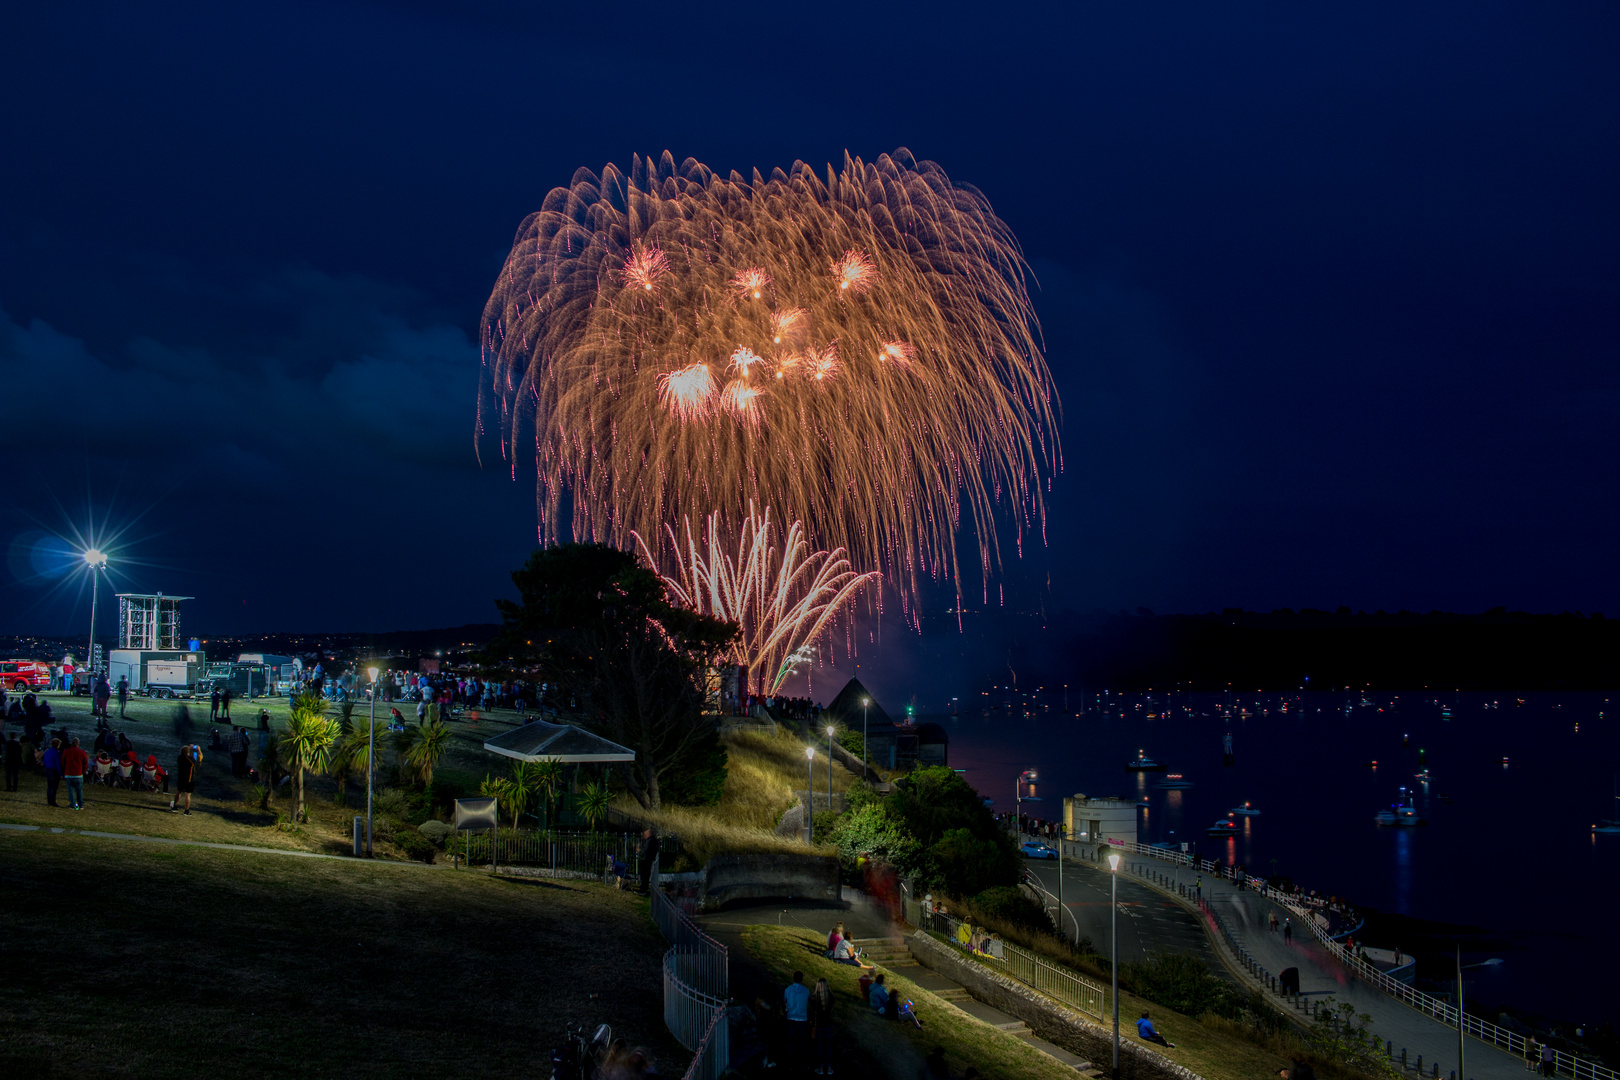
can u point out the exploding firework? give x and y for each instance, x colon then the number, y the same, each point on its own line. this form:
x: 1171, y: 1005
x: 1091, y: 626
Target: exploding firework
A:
x: 784, y: 596
x: 857, y: 351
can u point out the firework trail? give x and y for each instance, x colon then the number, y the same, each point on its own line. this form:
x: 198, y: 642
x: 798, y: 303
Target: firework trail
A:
x: 784, y: 596
x: 858, y: 351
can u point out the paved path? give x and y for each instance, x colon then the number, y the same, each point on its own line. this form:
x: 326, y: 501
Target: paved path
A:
x: 1247, y: 915
x: 1149, y: 922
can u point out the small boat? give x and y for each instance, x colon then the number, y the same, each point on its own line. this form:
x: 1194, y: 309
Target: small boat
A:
x: 1401, y: 813
x: 1223, y: 827
x: 1610, y: 825
x: 1246, y: 810
x: 1423, y: 776
x: 1173, y: 782
x: 1144, y: 804
x: 1143, y: 763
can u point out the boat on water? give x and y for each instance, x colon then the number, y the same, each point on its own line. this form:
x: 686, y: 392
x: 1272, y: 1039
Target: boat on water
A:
x: 1245, y: 810
x: 1173, y: 782
x: 1143, y: 763
x: 1400, y: 813
x: 1223, y: 827
x: 1611, y: 825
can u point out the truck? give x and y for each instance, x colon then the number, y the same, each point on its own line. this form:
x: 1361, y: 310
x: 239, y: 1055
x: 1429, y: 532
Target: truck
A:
x: 242, y: 680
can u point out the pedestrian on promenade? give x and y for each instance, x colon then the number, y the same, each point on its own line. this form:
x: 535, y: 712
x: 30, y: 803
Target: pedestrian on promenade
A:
x: 1531, y: 1054
x: 185, y: 776
x: 1548, y: 1061
x: 74, y: 763
x: 52, y: 764
x: 213, y: 705
x: 1288, y: 931
x: 796, y: 1011
x: 1272, y: 923
x: 821, y: 1026
x: 13, y: 761
x: 1198, y: 887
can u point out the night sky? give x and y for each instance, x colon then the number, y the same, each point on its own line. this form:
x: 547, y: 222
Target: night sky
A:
x: 1330, y: 296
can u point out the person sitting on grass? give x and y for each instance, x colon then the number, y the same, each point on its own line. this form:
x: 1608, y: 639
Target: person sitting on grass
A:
x: 834, y: 938
x: 844, y: 953
x: 878, y: 995
x: 1144, y: 1029
x: 964, y: 933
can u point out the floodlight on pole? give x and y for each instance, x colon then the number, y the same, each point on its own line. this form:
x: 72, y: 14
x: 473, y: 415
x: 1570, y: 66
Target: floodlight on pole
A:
x: 809, y: 794
x: 95, y: 559
x: 371, y: 756
x: 1113, y: 963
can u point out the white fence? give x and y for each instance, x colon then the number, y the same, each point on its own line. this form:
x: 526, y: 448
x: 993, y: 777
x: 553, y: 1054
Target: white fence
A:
x: 697, y: 981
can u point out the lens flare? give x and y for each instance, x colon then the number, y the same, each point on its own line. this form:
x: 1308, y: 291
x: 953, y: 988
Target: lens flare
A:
x: 892, y: 321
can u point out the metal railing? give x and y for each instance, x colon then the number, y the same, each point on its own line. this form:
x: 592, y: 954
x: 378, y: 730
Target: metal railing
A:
x: 1565, y: 1064
x: 1051, y: 979
x: 697, y: 981
x: 583, y: 854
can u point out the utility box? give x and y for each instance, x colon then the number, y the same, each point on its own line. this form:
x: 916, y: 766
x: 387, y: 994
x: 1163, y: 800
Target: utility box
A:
x: 1099, y: 821
x: 177, y: 670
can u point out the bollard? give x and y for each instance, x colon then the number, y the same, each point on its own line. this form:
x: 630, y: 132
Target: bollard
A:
x: 1420, y: 1065
x: 359, y: 834
x: 1437, y: 1071
x: 1389, y: 1048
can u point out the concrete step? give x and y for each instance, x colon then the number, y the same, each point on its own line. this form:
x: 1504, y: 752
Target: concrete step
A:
x: 952, y: 995
x: 1015, y: 1027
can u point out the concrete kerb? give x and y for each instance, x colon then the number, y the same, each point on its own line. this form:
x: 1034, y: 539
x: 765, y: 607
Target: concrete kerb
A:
x: 1049, y: 1019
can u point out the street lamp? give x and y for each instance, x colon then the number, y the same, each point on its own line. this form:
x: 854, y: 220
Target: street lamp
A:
x: 829, y: 768
x: 809, y: 794
x: 371, y: 756
x: 95, y: 559
x: 865, y: 704
x: 1113, y: 920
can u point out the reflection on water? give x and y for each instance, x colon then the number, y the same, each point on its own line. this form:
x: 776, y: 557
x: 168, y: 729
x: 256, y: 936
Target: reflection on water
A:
x: 1403, y: 870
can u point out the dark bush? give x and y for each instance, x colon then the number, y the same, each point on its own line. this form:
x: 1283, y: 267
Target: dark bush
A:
x: 1183, y: 983
x: 698, y: 776
x: 1009, y: 906
x: 415, y: 845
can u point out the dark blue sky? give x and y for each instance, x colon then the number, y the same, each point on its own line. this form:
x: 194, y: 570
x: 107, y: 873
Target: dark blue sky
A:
x: 1331, y: 295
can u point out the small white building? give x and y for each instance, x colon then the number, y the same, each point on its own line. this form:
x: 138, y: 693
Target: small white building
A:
x: 1092, y: 821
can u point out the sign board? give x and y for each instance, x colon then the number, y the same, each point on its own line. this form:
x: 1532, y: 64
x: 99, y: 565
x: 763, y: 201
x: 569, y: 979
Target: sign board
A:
x: 475, y: 815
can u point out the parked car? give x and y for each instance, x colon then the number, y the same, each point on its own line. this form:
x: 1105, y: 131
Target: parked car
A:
x: 1034, y: 849
x: 24, y: 675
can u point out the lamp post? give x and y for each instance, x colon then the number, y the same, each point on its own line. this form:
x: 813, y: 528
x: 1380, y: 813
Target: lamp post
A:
x: 95, y: 559
x: 371, y: 756
x: 865, y: 704
x: 809, y: 794
x: 1113, y: 949
x: 829, y: 768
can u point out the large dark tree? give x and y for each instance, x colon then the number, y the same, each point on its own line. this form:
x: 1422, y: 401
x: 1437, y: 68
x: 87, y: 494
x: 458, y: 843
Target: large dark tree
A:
x: 602, y: 630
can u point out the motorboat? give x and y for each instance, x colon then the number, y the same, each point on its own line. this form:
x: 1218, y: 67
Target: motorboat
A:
x: 1610, y: 825
x: 1223, y: 827
x: 1173, y: 782
x: 1245, y: 810
x: 1401, y: 813
x: 1143, y: 763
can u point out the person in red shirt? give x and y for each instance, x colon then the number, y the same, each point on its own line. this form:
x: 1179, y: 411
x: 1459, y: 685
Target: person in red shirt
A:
x: 156, y: 774
x: 74, y: 763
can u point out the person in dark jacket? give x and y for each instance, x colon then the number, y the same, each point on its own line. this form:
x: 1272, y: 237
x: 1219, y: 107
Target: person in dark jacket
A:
x: 649, y: 855
x: 14, y: 756
x: 213, y: 705
x: 52, y: 764
x: 185, y: 776
x: 821, y: 1026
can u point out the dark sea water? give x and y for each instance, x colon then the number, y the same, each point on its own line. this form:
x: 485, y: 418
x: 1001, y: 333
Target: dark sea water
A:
x: 1510, y: 864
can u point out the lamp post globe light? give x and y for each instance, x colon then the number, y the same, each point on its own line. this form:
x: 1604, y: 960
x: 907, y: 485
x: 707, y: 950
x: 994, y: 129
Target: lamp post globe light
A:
x: 371, y: 755
x: 1113, y: 949
x: 95, y: 559
x: 809, y: 794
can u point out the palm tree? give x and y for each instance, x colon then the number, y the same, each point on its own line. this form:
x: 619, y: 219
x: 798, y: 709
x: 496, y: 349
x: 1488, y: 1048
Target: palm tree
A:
x: 593, y: 802
x: 509, y: 794
x: 354, y: 750
x: 306, y: 744
x: 543, y: 778
x: 428, y: 745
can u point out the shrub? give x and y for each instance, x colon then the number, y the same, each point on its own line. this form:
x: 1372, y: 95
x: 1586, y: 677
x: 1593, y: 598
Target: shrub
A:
x: 1183, y: 983
x: 866, y: 830
x: 1008, y: 905
x: 436, y: 831
x: 389, y: 801
x: 698, y: 776
x: 967, y: 864
x: 415, y: 845
x: 853, y: 741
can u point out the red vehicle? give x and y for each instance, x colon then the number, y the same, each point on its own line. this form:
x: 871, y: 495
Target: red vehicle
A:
x: 23, y: 675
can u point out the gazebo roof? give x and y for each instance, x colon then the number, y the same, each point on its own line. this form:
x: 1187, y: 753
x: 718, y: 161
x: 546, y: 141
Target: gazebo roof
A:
x: 542, y: 741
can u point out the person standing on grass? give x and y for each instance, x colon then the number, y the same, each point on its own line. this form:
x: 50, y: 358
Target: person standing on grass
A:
x: 213, y: 705
x: 185, y: 776
x: 52, y: 764
x: 13, y: 761
x: 123, y: 696
x: 74, y: 763
x: 820, y: 1013
x: 796, y: 1011
x: 239, y: 751
x: 225, y: 705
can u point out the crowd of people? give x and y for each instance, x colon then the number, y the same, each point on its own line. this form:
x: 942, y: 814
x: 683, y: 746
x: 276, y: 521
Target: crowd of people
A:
x: 788, y: 708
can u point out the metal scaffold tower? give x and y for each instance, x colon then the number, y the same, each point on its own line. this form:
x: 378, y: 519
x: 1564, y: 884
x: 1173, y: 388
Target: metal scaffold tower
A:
x: 149, y: 621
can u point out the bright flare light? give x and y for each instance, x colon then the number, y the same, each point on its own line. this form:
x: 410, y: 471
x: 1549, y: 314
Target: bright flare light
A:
x: 892, y: 321
x: 95, y: 558
x: 783, y: 596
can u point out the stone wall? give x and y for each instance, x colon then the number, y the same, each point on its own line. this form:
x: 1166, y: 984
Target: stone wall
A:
x: 1074, y: 1031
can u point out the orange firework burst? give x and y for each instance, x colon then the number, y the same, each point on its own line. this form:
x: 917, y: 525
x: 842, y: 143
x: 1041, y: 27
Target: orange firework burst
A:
x: 854, y: 271
x: 893, y: 325
x: 643, y: 269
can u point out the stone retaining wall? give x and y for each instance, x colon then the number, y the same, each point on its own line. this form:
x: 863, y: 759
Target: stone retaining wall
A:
x: 1073, y: 1031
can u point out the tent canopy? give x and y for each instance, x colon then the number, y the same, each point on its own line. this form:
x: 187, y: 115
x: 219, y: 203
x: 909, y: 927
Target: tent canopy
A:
x: 542, y: 741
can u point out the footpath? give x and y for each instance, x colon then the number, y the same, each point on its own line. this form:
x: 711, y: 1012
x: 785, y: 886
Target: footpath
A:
x: 1246, y: 915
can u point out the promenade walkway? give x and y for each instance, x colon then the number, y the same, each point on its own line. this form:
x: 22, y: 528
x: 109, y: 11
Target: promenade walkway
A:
x: 1247, y: 914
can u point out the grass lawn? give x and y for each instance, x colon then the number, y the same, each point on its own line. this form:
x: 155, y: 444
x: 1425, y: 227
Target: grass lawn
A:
x: 1211, y: 1053
x: 124, y: 958
x: 901, y: 1047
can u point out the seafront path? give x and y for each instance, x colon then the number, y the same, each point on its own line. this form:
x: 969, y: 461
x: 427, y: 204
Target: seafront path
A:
x: 1246, y: 914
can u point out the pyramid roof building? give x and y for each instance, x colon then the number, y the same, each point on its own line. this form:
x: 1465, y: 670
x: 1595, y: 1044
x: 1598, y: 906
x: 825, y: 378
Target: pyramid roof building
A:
x: 846, y: 706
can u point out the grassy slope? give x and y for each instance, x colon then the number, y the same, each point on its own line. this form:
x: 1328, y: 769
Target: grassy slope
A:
x: 901, y: 1046
x: 1209, y: 1052
x: 126, y: 959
